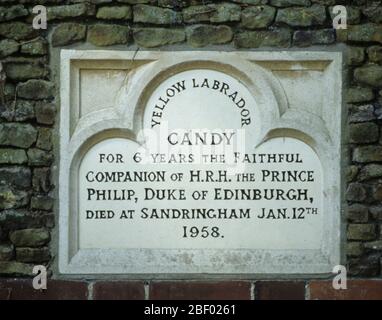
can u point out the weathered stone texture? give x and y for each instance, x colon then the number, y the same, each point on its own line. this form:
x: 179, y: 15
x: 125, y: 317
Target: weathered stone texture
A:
x: 38, y: 46
x: 216, y: 13
x: 257, y: 17
x: 12, y: 156
x: 367, y: 154
x: 150, y: 14
x: 116, y: 12
x: 368, y: 32
x: 305, y: 38
x: 361, y: 232
x: 155, y: 37
x: 70, y: 11
x: 17, y: 30
x: 359, y: 94
x: 203, y: 35
x: 17, y: 134
x: 108, y: 34
x: 366, y: 132
x: 289, y: 3
x: 29, y: 255
x: 301, y: 16
x: 255, y: 39
x: 68, y: 33
x: 356, y: 55
x: 370, y: 74
x: 12, y: 12
x: 35, y: 89
x: 29, y: 237
x: 8, y: 47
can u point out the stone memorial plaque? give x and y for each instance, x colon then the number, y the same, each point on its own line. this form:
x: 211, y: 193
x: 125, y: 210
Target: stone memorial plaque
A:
x: 200, y: 162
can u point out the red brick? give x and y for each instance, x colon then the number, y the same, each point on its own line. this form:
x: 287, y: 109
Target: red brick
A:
x: 22, y: 289
x: 279, y: 290
x: 197, y: 290
x: 5, y: 293
x: 356, y: 290
x: 119, y: 290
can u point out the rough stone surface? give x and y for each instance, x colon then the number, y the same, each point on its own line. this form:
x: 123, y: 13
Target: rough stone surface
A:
x: 375, y: 54
x: 41, y: 179
x: 12, y: 156
x: 370, y: 74
x: 6, y: 252
x: 13, y: 199
x: 356, y: 192
x: 305, y: 38
x: 289, y: 3
x: 257, y: 17
x: 32, y: 254
x: 68, y: 33
x: 361, y: 232
x: 35, y: 89
x: 154, y: 37
x: 8, y: 47
x: 359, y: 94
x: 356, y: 55
x: 365, y: 33
x: 25, y: 71
x: 74, y: 10
x: 252, y: 2
x: 29, y: 237
x: 377, y: 192
x: 374, y: 12
x: 376, y: 212
x: 44, y: 140
x: 302, y: 16
x: 14, y: 219
x: 177, y: 4
x: 117, y: 13
x: 366, y: 132
x: 13, y: 268
x: 15, y: 176
x: 370, y: 171
x: 374, y: 245
x: 42, y: 203
x: 216, y: 13
x: 17, y: 30
x: 358, y: 213
x: 351, y: 173
x: 45, y: 112
x: 12, y: 12
x: 24, y: 110
x: 35, y: 47
x: 17, y: 134
x: 203, y: 35
x: 38, y: 157
x: 255, y: 39
x: 367, y: 154
x: 150, y: 14
x: 107, y: 34
x: 354, y: 249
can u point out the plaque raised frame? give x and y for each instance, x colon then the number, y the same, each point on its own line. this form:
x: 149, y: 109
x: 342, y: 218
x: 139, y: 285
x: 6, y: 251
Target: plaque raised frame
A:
x: 299, y: 95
